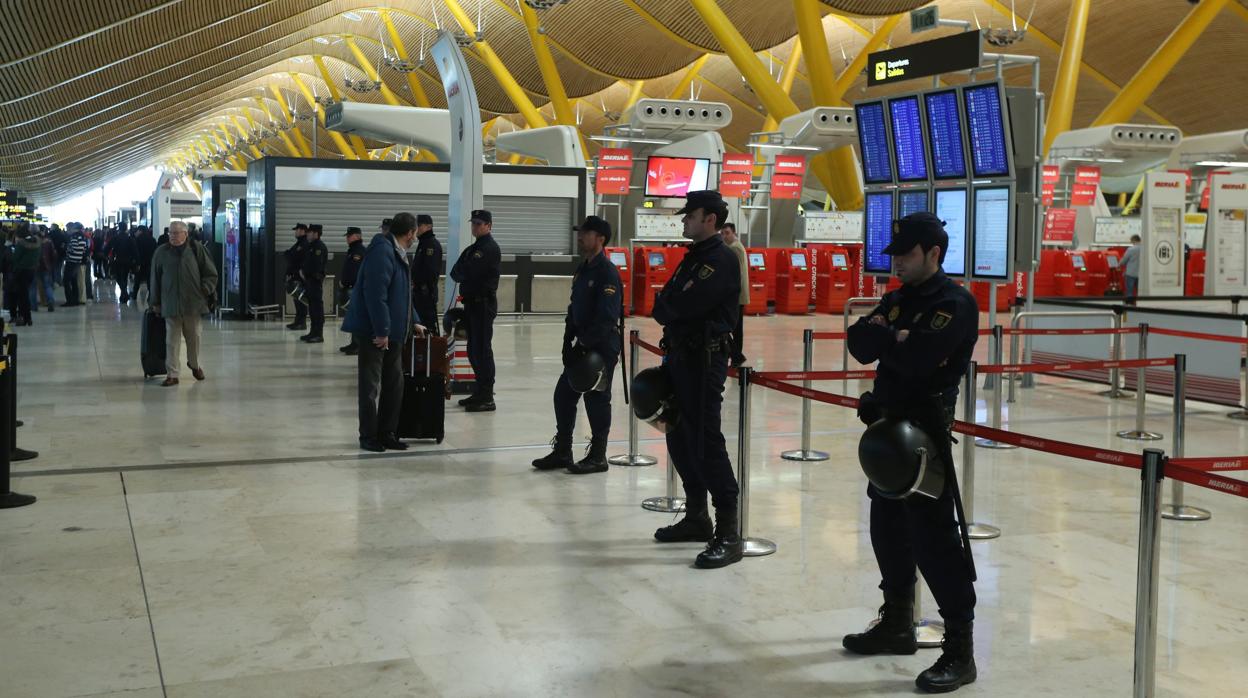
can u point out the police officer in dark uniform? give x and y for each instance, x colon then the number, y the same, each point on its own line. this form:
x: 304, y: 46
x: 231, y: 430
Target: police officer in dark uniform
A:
x: 477, y: 271
x: 698, y: 311
x: 592, y: 324
x: 922, y: 335
x: 346, y: 280
x: 313, y: 272
x: 426, y: 268
x: 294, y: 265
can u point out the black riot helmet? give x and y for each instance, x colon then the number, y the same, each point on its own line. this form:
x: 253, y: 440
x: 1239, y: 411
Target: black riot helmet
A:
x: 588, y: 372
x: 654, y: 399
x: 294, y: 287
x: 900, y: 459
x: 455, y: 323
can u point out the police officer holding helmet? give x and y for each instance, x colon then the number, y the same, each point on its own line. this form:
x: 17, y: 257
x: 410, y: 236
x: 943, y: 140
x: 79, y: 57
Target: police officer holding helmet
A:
x: 922, y: 335
x: 698, y: 311
x: 294, y: 263
x: 591, y: 348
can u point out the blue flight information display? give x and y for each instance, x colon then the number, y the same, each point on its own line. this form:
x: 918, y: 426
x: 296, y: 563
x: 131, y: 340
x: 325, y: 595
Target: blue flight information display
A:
x: 985, y: 124
x: 908, y: 139
x: 944, y: 132
x: 879, y: 232
x: 873, y: 143
x: 911, y: 202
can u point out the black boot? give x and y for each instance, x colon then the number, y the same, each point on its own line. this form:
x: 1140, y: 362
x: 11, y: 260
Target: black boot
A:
x: 893, y: 633
x: 595, y: 460
x: 559, y: 457
x: 956, y: 666
x: 726, y: 547
x: 695, y: 527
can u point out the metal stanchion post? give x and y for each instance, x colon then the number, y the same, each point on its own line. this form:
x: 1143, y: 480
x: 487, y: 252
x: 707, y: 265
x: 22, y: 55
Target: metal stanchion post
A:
x: 1115, y: 390
x: 754, y: 547
x: 632, y: 457
x: 15, y: 453
x: 927, y: 633
x: 995, y: 418
x: 1013, y: 379
x: 808, y: 364
x: 994, y: 343
x: 1176, y: 510
x: 1139, y: 433
x: 1146, y: 573
x: 1242, y: 412
x: 669, y: 503
x: 976, y: 531
x: 8, y: 498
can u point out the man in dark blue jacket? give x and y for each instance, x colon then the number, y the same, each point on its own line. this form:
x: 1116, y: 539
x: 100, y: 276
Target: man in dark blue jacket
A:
x: 379, y: 317
x: 592, y: 325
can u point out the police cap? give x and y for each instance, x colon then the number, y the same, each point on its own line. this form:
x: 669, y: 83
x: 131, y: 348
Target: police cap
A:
x: 353, y: 231
x: 596, y: 225
x: 708, y: 200
x: 915, y: 229
x: 299, y: 226
x: 315, y: 228
x: 483, y: 216
x: 424, y: 219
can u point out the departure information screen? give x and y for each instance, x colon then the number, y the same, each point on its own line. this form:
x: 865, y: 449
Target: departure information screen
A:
x: 911, y: 202
x: 990, y: 258
x: 944, y: 133
x: 951, y: 208
x: 873, y: 142
x: 985, y: 125
x: 908, y: 139
x: 879, y: 232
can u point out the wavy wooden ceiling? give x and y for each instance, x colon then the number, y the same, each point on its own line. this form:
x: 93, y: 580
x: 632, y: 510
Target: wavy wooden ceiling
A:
x: 93, y: 89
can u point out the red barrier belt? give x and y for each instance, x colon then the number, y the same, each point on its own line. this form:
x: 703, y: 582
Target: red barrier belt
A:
x: 1063, y: 448
x: 827, y: 335
x: 1208, y: 464
x: 1076, y: 366
x: 817, y: 395
x: 814, y: 375
x: 1078, y: 331
x: 1197, y: 335
x: 648, y: 347
x: 1221, y: 483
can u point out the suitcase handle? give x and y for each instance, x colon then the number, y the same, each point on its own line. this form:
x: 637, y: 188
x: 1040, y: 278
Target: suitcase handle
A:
x: 428, y: 353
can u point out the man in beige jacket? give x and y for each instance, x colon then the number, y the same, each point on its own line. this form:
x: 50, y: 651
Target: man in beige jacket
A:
x: 729, y: 233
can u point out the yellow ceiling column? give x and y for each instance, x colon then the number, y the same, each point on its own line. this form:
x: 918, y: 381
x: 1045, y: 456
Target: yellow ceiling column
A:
x: 304, y: 146
x: 343, y: 146
x: 1066, y: 82
x: 1159, y: 65
x: 690, y: 75
x: 291, y: 149
x: 786, y: 80
x: 386, y: 93
x: 243, y: 136
x: 504, y: 77
x: 413, y: 80
x: 550, y: 75
x: 847, y: 77
x: 357, y: 143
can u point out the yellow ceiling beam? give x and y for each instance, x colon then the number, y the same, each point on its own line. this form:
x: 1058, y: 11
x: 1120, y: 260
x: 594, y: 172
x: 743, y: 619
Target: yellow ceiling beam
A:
x: 386, y: 93
x: 1066, y: 82
x: 291, y: 149
x: 357, y: 143
x: 634, y: 94
x: 243, y: 135
x: 500, y: 72
x: 550, y: 74
x: 413, y: 81
x: 1159, y: 65
x: 339, y: 141
x: 786, y: 81
x: 304, y: 146
x: 691, y: 74
x: 847, y: 77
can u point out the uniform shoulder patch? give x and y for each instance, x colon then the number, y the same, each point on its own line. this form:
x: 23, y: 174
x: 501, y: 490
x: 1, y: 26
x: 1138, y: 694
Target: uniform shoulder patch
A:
x: 316, y: 252
x: 609, y: 290
x: 476, y: 255
x: 941, y: 319
x: 428, y: 251
x: 705, y: 272
x: 893, y: 313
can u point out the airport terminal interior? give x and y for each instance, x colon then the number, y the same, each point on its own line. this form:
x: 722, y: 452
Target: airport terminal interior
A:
x: 224, y: 530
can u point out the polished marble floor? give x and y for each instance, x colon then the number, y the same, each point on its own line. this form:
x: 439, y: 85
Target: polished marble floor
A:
x: 225, y: 538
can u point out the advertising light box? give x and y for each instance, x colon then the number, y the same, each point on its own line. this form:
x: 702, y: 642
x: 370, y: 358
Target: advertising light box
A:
x: 674, y: 177
x: 877, y: 168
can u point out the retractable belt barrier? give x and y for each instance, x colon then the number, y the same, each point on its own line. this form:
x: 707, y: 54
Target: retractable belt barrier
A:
x: 1198, y: 335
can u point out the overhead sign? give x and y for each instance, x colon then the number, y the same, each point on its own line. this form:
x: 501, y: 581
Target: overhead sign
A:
x: 786, y: 186
x: 737, y: 162
x: 1047, y: 192
x: 615, y: 171
x: 734, y: 185
x: 1050, y: 174
x: 791, y: 165
x: 1082, y: 194
x: 924, y: 18
x: 953, y: 53
x: 1087, y: 174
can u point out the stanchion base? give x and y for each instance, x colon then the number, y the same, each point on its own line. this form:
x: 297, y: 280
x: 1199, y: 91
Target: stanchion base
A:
x: 978, y: 531
x: 929, y: 633
x: 664, y: 505
x: 1116, y: 394
x: 1184, y: 513
x: 13, y: 500
x: 758, y: 547
x: 1242, y: 414
x: 808, y: 456
x: 632, y: 459
x: 1029, y: 380
x: 1135, y: 435
x: 989, y: 443
x: 22, y: 454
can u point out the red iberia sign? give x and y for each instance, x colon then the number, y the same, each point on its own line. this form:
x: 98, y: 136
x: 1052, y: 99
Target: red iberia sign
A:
x: 786, y: 186
x: 1082, y: 194
x: 615, y: 171
x: 791, y: 165
x: 734, y: 185
x: 1059, y: 226
x: 1046, y: 193
x: 737, y: 162
x: 615, y: 158
x: 1087, y: 174
x: 1049, y: 174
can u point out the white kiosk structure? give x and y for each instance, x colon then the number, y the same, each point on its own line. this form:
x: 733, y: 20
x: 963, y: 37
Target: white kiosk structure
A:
x: 559, y: 146
x: 412, y: 126
x: 1224, y: 151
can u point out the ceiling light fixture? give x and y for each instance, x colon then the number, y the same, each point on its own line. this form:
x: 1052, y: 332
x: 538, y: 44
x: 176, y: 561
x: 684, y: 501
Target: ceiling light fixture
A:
x: 1221, y: 163
x: 353, y: 16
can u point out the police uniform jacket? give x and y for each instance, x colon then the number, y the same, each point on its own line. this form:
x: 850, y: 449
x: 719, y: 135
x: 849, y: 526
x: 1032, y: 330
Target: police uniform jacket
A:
x: 943, y: 323
x: 314, y: 259
x: 351, y: 267
x: 427, y: 265
x: 478, y: 268
x: 594, y: 314
x: 699, y: 304
x: 294, y: 256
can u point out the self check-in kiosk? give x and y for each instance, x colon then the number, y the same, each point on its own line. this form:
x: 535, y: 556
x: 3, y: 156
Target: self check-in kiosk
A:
x: 758, y: 270
x: 793, y: 276
x: 835, y: 280
x: 619, y: 257
x: 651, y: 270
x: 1073, y: 280
x: 1098, y: 271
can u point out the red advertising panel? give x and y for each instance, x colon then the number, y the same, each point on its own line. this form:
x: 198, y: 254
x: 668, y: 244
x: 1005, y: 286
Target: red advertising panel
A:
x: 790, y: 165
x: 1082, y: 194
x: 615, y: 159
x: 1059, y: 226
x: 615, y: 171
x: 1087, y: 174
x: 786, y: 186
x: 1046, y: 193
x: 734, y: 185
x: 1049, y: 174
x: 738, y: 162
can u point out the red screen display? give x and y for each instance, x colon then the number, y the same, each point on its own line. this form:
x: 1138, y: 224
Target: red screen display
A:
x: 675, y: 177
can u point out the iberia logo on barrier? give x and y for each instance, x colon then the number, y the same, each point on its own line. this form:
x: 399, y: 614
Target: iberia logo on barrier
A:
x: 1240, y: 187
x: 1168, y: 185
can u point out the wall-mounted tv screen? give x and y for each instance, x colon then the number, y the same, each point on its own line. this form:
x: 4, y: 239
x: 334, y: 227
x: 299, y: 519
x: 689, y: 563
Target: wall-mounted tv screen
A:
x: 674, y: 177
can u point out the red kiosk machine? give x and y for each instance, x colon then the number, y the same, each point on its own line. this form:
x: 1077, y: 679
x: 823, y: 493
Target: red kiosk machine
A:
x: 793, y: 277
x: 652, y: 267
x: 1194, y: 284
x: 756, y: 261
x: 834, y: 283
x: 619, y: 257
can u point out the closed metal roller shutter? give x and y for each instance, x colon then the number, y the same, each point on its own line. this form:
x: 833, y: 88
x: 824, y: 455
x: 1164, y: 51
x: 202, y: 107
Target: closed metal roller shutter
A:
x: 522, y: 225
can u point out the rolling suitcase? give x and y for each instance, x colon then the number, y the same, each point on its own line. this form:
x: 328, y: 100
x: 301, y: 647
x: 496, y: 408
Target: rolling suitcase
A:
x: 423, y: 412
x: 152, y: 345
